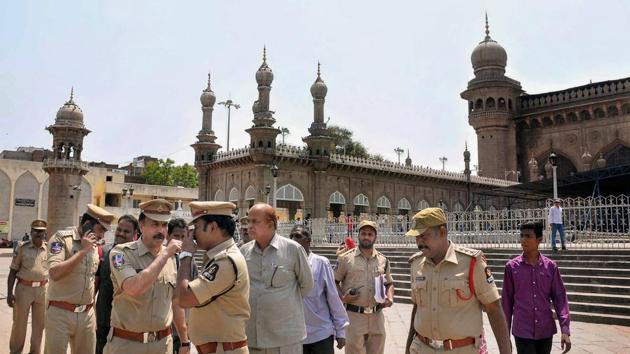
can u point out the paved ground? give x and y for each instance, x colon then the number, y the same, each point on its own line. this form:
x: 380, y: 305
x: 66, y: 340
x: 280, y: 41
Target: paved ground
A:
x: 587, y: 337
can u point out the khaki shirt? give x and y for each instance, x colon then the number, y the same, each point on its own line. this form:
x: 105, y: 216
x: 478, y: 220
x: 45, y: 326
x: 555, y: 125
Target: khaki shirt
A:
x: 445, y: 307
x: 222, y: 290
x: 280, y: 277
x: 355, y: 270
x: 152, y: 310
x: 30, y: 262
x: 78, y: 286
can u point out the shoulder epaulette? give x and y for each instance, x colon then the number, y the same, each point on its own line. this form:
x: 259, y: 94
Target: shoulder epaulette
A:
x: 414, y: 257
x: 468, y: 251
x: 221, y: 255
x: 64, y: 233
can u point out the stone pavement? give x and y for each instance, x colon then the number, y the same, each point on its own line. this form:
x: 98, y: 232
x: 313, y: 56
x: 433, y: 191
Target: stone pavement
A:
x: 586, y: 337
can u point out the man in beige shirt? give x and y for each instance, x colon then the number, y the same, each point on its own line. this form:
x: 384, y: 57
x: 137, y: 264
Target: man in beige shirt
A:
x: 280, y: 276
x: 221, y: 290
x: 355, y: 273
x: 72, y: 264
x: 30, y: 268
x: 449, y: 287
x: 143, y: 275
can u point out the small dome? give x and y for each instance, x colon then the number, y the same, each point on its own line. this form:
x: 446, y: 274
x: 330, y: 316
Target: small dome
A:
x: 70, y: 111
x: 488, y: 54
x: 319, y: 88
x: 207, y: 97
x: 264, y: 75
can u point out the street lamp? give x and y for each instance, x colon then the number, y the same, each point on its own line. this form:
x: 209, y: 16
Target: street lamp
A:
x: 274, y: 173
x: 229, y: 104
x: 398, y: 152
x: 553, y: 160
x: 443, y: 160
x: 127, y: 193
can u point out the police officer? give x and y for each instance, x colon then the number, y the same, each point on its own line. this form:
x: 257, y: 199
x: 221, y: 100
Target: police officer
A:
x: 72, y: 264
x: 221, y: 291
x: 30, y: 268
x: 449, y: 287
x: 243, y: 225
x: 143, y: 275
x: 355, y: 274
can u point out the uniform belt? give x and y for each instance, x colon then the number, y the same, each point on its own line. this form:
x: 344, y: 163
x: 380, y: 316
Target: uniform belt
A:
x: 361, y: 309
x: 70, y: 307
x: 142, y: 337
x: 33, y: 284
x: 211, y: 347
x: 448, y: 344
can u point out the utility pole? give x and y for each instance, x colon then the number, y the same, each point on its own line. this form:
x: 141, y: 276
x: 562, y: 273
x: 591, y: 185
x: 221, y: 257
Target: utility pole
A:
x: 229, y: 104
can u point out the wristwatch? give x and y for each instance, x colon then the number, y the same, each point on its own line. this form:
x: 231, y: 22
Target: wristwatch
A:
x: 184, y: 254
x: 185, y: 344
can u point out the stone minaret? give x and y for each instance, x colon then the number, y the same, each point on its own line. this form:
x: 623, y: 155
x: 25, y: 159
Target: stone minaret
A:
x: 408, y: 159
x: 65, y: 167
x: 467, y: 173
x: 263, y: 134
x: 492, y: 106
x: 205, y: 147
x: 319, y: 142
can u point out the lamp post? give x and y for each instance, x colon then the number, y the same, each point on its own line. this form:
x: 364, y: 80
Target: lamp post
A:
x: 267, y: 190
x: 274, y: 173
x: 443, y: 160
x: 398, y: 152
x: 127, y: 193
x: 229, y: 104
x: 553, y: 160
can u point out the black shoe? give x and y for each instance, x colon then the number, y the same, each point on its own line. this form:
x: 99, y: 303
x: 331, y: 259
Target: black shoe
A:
x: 564, y: 248
x: 555, y: 250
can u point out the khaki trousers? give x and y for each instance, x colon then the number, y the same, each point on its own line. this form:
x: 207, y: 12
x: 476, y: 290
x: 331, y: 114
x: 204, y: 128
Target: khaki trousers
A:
x: 417, y: 347
x: 116, y: 345
x: 366, y: 333
x: 76, y: 328
x: 26, y: 298
x: 287, y: 349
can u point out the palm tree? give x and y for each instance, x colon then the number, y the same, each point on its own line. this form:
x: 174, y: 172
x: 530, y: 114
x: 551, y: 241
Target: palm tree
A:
x: 284, y: 131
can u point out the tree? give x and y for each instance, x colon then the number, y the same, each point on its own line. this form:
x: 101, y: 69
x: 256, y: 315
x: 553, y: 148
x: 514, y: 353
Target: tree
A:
x: 344, y: 144
x: 284, y: 131
x: 165, y: 173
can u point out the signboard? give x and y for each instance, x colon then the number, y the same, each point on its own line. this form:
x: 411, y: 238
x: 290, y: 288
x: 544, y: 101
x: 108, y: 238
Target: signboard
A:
x: 4, y: 227
x: 24, y: 202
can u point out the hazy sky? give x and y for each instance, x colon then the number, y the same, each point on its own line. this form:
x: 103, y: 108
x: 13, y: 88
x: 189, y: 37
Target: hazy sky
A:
x: 394, y: 69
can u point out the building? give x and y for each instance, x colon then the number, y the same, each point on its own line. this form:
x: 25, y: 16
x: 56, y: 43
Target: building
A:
x: 587, y: 127
x: 314, y: 181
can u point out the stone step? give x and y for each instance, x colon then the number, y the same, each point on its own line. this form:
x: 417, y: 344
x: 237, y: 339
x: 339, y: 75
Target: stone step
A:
x: 615, y: 252
x: 403, y: 257
x: 611, y: 272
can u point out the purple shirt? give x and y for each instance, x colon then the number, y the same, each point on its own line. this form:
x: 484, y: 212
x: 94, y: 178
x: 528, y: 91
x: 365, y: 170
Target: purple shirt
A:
x: 526, y: 296
x: 324, y: 313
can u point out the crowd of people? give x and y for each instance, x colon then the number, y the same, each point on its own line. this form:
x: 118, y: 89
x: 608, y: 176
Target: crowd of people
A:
x: 268, y: 293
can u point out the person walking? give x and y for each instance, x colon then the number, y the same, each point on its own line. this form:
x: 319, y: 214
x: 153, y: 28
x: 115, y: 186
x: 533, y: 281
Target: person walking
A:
x: 557, y: 226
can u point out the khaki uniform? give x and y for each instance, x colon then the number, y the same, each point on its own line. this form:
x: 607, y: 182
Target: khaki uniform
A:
x: 30, y: 263
x: 366, y: 332
x: 222, y: 290
x: 149, y: 312
x: 77, y: 288
x: 446, y: 309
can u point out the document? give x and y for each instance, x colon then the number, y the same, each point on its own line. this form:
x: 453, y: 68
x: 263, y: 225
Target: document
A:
x: 379, y: 289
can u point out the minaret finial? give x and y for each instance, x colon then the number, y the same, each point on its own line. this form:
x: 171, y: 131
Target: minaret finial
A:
x: 408, y: 153
x: 487, y: 27
x: 264, y: 54
x: 208, y: 88
x: 71, y: 94
x: 465, y: 145
x: 318, y: 69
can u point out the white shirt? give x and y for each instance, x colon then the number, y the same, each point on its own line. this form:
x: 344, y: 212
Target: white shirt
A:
x: 555, y: 215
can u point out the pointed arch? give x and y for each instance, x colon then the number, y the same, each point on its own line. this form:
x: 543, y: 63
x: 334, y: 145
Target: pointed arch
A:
x: 336, y: 198
x: 234, y: 195
x: 27, y: 189
x: 404, y: 204
x: 383, y: 202
x: 289, y: 192
x: 458, y: 207
x: 219, y: 195
x: 250, y: 193
x: 423, y: 204
x: 361, y: 200
x: 5, y: 196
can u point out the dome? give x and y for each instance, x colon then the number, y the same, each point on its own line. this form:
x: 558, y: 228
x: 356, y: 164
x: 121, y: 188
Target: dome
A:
x: 264, y: 75
x: 70, y: 111
x: 207, y: 97
x: 319, y: 88
x: 488, y: 53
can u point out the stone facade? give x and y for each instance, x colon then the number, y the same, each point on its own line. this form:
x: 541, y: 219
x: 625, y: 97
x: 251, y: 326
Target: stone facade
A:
x: 313, y: 181
x: 587, y: 127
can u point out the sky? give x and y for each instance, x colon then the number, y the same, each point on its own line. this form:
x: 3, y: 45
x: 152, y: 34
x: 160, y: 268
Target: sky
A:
x: 394, y: 70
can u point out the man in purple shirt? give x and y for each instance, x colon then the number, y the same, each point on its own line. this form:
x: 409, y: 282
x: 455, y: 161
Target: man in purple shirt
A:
x: 324, y: 314
x: 530, y: 282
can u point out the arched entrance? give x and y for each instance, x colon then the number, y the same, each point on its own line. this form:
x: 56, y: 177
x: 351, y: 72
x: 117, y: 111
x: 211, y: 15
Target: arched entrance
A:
x: 25, y: 205
x: 361, y: 204
x: 289, y: 203
x: 383, y: 205
x: 250, y: 196
x: 404, y: 207
x: 337, y: 204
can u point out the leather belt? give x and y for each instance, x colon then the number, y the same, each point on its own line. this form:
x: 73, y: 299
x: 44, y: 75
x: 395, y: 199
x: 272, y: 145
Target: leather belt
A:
x: 70, y: 307
x: 33, y: 284
x: 361, y: 309
x: 142, y: 337
x: 448, y: 344
x: 211, y: 347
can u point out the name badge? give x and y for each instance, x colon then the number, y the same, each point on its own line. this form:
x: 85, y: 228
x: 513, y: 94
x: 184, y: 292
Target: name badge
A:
x: 36, y: 284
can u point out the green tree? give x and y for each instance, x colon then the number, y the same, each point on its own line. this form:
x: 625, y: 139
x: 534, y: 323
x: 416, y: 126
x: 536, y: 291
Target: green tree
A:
x: 345, y: 144
x: 165, y: 173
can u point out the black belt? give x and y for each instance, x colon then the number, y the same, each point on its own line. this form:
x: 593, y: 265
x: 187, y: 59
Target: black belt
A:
x: 361, y: 309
